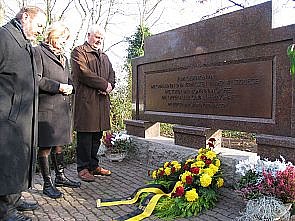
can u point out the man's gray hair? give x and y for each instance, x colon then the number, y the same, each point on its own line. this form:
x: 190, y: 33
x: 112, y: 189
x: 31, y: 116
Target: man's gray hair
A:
x: 95, y: 28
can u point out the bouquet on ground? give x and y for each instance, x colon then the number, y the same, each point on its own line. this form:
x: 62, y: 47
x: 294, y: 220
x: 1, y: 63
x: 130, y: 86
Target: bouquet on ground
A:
x: 267, y: 178
x: 194, y: 183
x: 117, y: 142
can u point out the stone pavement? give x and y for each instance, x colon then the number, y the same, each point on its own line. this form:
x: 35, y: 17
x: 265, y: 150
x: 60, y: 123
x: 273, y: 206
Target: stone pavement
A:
x: 80, y: 204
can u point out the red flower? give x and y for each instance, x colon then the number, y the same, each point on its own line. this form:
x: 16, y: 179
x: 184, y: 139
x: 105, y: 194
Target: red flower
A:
x: 211, y: 145
x: 212, y: 139
x: 173, y: 169
x: 162, y: 173
x: 189, y: 180
x: 195, y: 170
x: 203, y: 157
x: 208, y: 161
x: 179, y: 191
x: 185, y: 167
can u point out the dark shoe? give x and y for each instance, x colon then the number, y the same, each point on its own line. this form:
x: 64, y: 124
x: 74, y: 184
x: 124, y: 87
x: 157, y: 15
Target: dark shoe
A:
x: 52, y: 192
x: 62, y: 180
x: 99, y: 171
x: 86, y: 176
x: 60, y: 177
x: 26, y: 206
x: 18, y: 217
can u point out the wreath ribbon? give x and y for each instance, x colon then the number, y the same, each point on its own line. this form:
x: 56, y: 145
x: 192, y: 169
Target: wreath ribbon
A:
x: 147, y: 206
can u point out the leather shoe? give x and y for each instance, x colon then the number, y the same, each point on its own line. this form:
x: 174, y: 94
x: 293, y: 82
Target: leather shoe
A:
x: 26, y: 206
x: 18, y: 217
x: 86, y: 176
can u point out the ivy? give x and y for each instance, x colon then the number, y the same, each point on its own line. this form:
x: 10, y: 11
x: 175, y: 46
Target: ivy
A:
x: 291, y: 55
x: 121, y: 98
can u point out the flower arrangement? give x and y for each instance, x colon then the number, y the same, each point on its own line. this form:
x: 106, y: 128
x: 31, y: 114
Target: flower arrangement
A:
x: 194, y: 182
x: 267, y: 178
x: 117, y: 142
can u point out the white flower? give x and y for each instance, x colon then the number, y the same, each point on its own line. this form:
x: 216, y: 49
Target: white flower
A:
x: 258, y: 165
x: 245, y: 165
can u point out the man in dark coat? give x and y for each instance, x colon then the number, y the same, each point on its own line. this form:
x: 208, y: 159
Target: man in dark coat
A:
x: 94, y: 79
x: 18, y: 108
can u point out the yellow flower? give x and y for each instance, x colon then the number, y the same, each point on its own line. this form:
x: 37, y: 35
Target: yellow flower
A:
x: 191, y: 195
x: 202, y: 150
x: 199, y: 157
x: 184, y: 175
x: 166, y: 164
x: 160, y: 170
x: 210, y: 154
x: 213, y: 168
x: 167, y: 171
x: 217, y: 162
x: 194, y: 165
x: 200, y: 164
x: 205, y: 180
x: 220, y: 182
x: 154, y: 174
x: 208, y: 171
x: 174, y: 162
x: 178, y: 183
x: 189, y: 160
x: 176, y: 165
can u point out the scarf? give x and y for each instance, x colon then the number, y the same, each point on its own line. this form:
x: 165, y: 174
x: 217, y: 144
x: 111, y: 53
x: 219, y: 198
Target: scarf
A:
x: 59, y: 53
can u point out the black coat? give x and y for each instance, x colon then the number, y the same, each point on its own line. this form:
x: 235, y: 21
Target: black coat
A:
x: 54, y: 128
x: 18, y: 109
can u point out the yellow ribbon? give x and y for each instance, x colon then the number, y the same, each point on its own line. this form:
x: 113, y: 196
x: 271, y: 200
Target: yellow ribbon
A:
x: 99, y: 203
x: 148, y: 209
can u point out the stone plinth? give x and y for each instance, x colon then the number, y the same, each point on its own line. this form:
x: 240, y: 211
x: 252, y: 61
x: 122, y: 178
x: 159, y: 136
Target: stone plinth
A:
x: 195, y: 137
x: 271, y: 147
x: 153, y: 152
x: 142, y: 128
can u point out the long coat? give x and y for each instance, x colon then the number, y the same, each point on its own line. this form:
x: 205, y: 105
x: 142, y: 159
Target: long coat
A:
x: 91, y: 71
x: 18, y: 109
x: 54, y: 115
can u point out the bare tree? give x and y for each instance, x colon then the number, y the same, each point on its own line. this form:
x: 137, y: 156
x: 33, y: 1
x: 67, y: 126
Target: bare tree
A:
x: 2, y: 12
x: 96, y: 12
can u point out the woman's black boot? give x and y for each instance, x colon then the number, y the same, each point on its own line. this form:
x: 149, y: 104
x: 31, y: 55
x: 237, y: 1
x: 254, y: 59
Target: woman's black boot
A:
x: 60, y: 177
x: 48, y: 188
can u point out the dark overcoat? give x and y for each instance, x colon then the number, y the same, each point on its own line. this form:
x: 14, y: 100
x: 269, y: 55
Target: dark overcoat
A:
x: 54, y: 114
x: 18, y: 109
x: 91, y: 71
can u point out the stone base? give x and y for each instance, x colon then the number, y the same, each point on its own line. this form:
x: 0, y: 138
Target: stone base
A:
x: 153, y: 152
x: 143, y: 129
x: 195, y: 137
x: 272, y: 147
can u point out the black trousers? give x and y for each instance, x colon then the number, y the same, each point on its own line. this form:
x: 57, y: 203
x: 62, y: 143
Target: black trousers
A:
x: 87, y: 146
x: 8, y: 205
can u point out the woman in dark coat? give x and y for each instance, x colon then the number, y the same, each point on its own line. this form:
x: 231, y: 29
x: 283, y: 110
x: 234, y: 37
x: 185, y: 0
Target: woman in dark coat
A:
x: 54, y: 129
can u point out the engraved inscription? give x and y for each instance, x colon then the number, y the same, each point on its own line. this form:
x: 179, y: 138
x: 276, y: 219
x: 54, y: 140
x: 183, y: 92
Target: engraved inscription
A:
x: 240, y: 90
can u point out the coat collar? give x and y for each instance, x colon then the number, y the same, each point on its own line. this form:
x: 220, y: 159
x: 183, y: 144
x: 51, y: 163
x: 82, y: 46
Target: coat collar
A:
x: 50, y: 54
x: 89, y: 49
x: 17, y: 34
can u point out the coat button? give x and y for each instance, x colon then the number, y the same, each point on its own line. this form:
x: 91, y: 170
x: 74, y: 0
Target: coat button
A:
x: 64, y: 98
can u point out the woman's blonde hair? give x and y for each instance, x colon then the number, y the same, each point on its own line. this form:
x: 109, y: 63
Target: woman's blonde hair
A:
x: 55, y: 31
